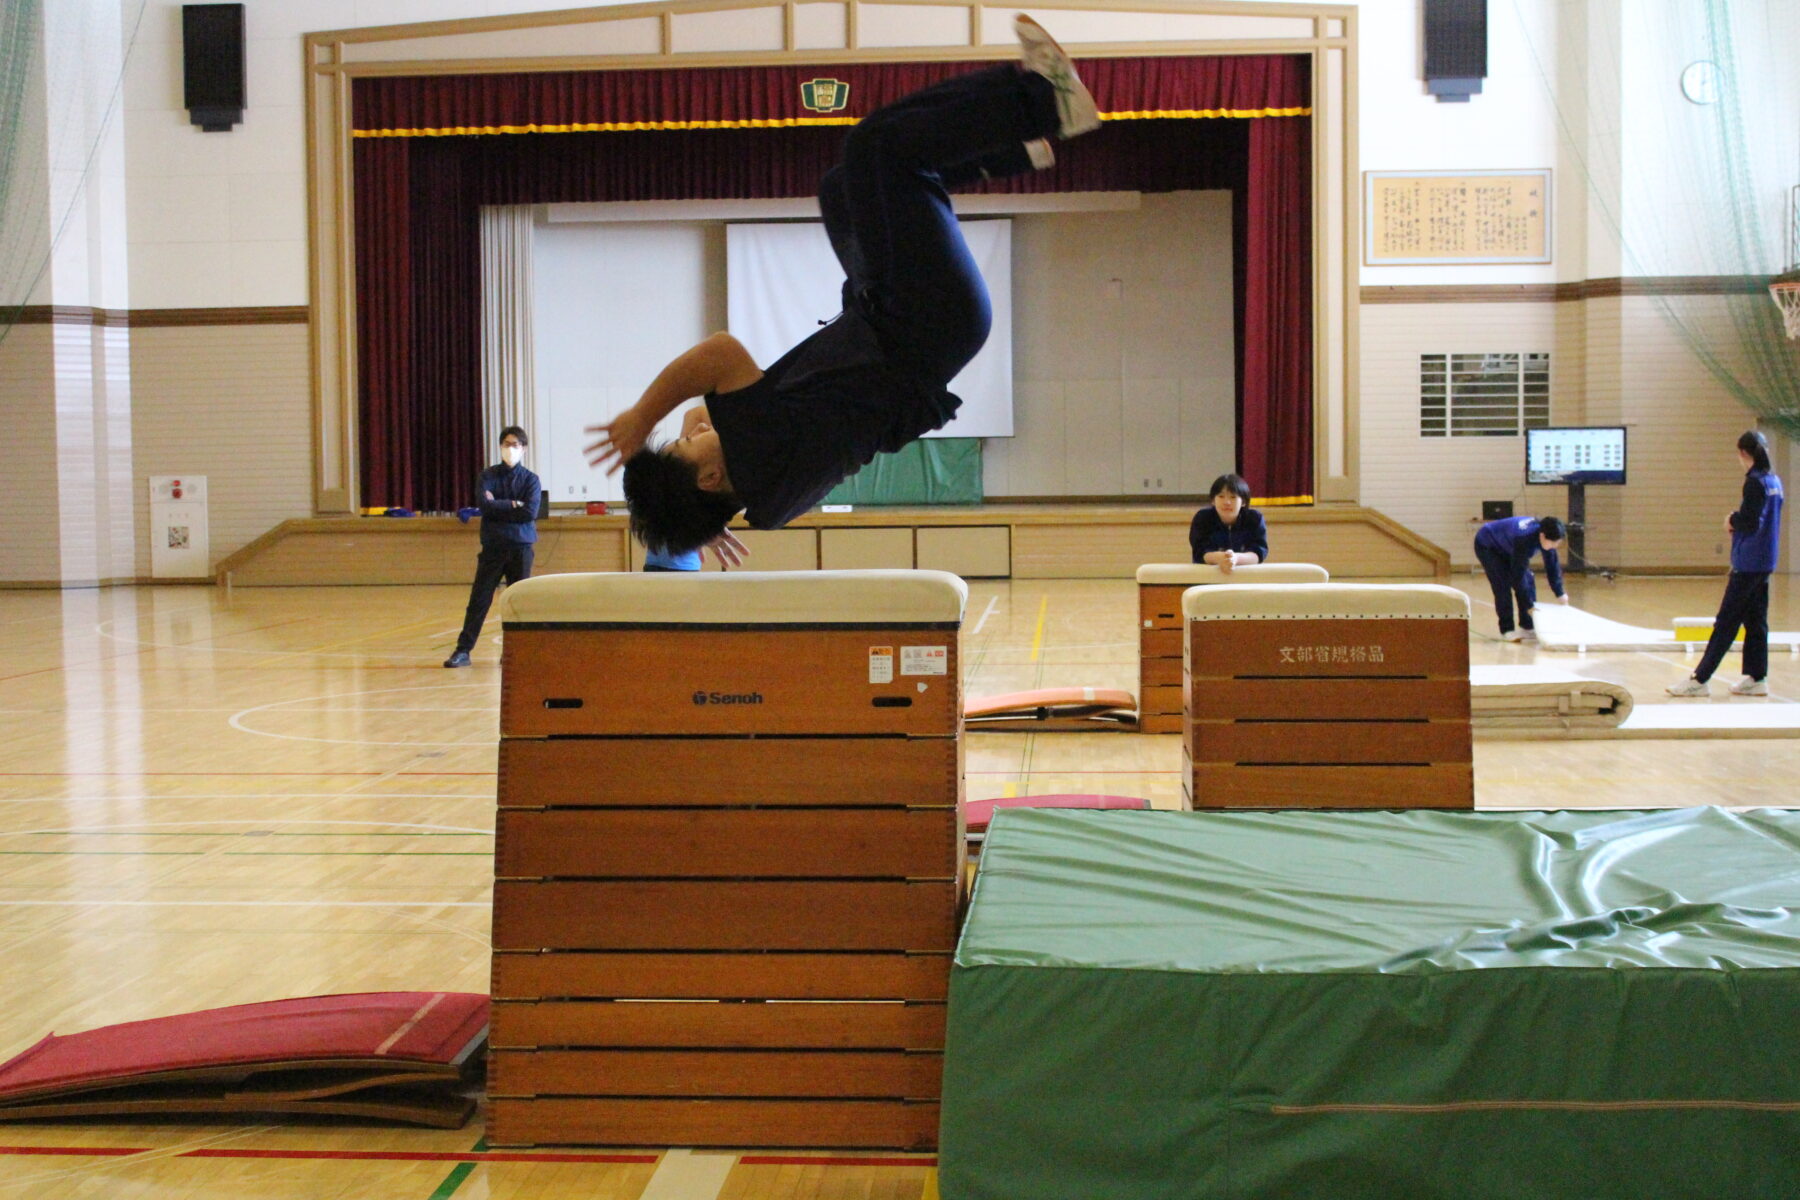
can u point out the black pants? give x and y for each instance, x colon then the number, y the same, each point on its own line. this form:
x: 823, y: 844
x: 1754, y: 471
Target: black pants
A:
x: 1746, y: 603
x: 1500, y: 575
x: 889, y: 218
x: 510, y: 561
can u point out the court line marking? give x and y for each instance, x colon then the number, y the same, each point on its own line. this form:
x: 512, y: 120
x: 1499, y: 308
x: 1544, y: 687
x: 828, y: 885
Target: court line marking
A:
x: 237, y: 718
x: 468, y: 1156
x: 120, y: 638
x: 133, y: 825
x: 141, y: 798
x: 483, y: 904
x: 687, y: 1175
x: 1037, y: 638
x: 993, y: 601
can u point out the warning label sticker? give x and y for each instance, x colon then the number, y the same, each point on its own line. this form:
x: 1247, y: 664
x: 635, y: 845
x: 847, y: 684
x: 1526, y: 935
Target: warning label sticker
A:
x: 924, y: 660
x: 881, y: 664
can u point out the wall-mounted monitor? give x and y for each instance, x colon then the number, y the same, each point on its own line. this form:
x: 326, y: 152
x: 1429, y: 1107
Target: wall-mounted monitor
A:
x: 1589, y: 454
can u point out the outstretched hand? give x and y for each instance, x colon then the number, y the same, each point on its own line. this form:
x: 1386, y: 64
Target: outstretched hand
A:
x: 617, y: 441
x: 728, y: 550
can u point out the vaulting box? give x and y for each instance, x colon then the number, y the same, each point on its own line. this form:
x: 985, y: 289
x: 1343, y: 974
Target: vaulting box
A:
x: 739, y: 789
x: 1160, y: 586
x: 1357, y: 1006
x: 1327, y: 695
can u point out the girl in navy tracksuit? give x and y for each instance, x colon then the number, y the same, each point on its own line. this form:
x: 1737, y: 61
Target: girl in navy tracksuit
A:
x: 1755, y: 530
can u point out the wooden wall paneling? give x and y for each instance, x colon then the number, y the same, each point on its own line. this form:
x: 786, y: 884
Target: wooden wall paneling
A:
x: 866, y: 549
x: 775, y: 550
x: 974, y: 552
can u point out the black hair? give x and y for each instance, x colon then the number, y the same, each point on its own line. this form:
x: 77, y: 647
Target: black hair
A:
x: 515, y: 431
x: 1756, y: 446
x: 670, y: 511
x: 1552, y: 528
x: 1231, y: 483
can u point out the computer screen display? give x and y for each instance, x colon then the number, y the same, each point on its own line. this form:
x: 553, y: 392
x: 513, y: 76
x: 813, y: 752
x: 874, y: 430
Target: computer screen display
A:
x: 1594, y: 454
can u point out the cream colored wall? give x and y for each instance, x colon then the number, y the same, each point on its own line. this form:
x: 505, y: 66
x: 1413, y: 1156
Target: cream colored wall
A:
x: 1122, y: 352
x: 231, y: 403
x: 1614, y: 361
x: 1435, y: 486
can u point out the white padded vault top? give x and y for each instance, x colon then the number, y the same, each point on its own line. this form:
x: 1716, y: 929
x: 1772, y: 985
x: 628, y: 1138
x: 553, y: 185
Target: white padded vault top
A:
x: 1202, y: 574
x: 1315, y: 601
x: 738, y: 597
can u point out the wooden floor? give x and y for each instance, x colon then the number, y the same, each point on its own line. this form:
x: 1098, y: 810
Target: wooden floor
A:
x: 210, y: 798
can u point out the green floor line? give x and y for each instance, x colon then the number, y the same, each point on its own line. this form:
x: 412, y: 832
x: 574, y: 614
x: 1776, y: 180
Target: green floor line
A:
x: 458, y: 1174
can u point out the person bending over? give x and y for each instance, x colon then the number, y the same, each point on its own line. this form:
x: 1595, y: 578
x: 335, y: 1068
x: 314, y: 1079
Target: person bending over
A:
x: 915, y: 311
x: 1755, y: 529
x: 1230, y: 533
x: 1504, y: 548
x: 509, y: 507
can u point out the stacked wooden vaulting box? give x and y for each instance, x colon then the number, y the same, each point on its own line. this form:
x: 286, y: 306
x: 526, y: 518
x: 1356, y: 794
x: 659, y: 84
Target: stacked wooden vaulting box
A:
x: 1160, y: 626
x: 1327, y: 695
x: 728, y: 859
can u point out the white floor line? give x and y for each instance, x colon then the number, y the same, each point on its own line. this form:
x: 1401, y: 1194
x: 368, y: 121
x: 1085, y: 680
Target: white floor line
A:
x: 987, y: 612
x: 687, y: 1175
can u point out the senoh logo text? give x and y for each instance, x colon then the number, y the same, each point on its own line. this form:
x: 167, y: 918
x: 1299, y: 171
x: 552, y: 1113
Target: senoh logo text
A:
x: 703, y: 698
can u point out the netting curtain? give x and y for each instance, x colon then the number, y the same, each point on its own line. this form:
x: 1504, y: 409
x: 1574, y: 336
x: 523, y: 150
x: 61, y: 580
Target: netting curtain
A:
x: 431, y: 151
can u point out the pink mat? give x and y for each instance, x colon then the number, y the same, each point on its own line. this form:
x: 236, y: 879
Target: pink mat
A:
x: 399, y: 1052
x: 977, y: 814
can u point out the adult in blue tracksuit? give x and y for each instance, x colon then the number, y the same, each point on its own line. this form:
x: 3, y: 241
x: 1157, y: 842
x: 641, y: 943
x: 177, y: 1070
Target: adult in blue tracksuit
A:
x: 1504, y: 548
x: 1755, y: 529
x: 509, y: 505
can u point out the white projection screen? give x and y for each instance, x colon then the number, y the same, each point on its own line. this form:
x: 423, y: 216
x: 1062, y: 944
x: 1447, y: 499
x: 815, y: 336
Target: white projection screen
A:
x: 781, y: 280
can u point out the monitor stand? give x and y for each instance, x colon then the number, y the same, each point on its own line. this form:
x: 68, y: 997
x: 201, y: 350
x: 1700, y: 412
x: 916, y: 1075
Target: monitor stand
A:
x: 1578, y: 560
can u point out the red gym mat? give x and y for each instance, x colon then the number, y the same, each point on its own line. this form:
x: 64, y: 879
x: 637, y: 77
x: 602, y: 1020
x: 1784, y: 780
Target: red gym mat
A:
x: 1089, y: 710
x: 978, y: 814
x: 398, y: 1055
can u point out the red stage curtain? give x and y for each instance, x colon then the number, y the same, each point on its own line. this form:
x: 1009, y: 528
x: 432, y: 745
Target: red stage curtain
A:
x: 417, y: 235
x: 1274, y: 302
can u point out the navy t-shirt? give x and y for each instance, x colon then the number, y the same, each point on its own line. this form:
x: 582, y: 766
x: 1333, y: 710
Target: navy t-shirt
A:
x: 818, y: 415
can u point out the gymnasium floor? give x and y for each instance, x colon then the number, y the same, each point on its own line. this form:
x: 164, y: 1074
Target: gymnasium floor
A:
x: 211, y: 798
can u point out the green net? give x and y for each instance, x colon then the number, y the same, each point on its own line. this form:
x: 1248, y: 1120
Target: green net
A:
x: 24, y: 182
x: 1695, y: 181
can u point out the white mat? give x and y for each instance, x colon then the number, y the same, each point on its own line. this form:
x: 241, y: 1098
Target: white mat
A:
x: 1546, y: 699
x: 1565, y: 627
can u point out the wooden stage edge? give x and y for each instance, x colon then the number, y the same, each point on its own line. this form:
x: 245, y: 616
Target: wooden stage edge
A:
x: 994, y: 541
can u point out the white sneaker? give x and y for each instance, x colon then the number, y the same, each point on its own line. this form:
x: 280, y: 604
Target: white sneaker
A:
x: 1689, y: 687
x: 1075, y: 109
x: 1750, y: 687
x: 1513, y: 635
x: 1527, y: 635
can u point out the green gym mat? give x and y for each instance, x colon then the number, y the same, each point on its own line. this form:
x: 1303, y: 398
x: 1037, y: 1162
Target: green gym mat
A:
x: 1404, y: 1005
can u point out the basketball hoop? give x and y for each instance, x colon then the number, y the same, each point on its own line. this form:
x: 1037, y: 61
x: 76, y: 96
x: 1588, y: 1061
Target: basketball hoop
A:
x: 1784, y: 289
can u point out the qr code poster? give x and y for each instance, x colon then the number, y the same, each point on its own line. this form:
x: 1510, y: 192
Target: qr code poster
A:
x: 178, y: 537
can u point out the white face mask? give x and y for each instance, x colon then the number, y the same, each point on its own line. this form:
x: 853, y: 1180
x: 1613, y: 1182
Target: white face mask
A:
x: 510, y: 455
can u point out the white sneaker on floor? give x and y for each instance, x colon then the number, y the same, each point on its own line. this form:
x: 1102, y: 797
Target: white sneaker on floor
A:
x: 1513, y: 635
x: 1750, y: 687
x: 1689, y: 687
x: 1075, y: 109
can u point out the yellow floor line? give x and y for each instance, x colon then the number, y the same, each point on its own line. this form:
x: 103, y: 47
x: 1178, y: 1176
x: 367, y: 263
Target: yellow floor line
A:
x: 1037, y: 638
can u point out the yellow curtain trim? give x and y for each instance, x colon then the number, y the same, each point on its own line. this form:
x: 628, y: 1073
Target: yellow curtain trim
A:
x: 1278, y: 501
x: 786, y: 122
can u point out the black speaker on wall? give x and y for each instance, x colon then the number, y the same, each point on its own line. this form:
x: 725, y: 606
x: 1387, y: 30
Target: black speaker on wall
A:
x: 212, y: 58
x: 1455, y: 48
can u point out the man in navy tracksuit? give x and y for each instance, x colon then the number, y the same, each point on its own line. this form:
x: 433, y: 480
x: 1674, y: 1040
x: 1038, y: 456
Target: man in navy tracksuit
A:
x: 1505, y: 548
x: 509, y: 505
x: 1755, y: 528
